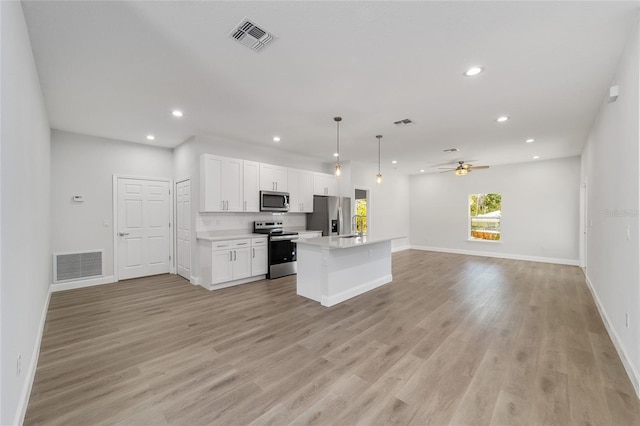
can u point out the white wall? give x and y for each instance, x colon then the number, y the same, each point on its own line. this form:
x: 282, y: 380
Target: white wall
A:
x: 187, y: 165
x: 389, y: 202
x: 25, y: 213
x: 610, y: 169
x: 85, y: 165
x: 540, y: 210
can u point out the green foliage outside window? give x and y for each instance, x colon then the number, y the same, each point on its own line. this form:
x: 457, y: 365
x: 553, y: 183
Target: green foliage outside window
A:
x: 485, y: 213
x: 361, y: 211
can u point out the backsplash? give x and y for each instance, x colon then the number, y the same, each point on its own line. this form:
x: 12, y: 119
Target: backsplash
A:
x: 211, y: 222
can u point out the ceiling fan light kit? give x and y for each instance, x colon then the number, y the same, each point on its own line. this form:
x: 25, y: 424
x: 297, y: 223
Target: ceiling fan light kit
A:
x: 463, y: 168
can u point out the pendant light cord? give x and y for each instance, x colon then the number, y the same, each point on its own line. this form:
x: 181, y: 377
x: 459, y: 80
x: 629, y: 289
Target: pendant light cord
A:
x: 338, y: 138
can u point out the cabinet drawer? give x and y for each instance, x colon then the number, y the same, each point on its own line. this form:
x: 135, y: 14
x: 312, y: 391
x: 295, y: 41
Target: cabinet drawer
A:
x: 255, y: 242
x: 242, y: 243
x: 222, y: 245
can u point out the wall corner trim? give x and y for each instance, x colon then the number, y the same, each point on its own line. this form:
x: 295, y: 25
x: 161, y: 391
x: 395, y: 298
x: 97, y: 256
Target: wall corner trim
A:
x: 23, y: 402
x: 632, y: 372
x: 558, y: 261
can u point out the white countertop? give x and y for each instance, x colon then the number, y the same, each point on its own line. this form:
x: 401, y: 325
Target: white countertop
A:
x: 340, y: 243
x: 227, y: 235
x: 238, y: 234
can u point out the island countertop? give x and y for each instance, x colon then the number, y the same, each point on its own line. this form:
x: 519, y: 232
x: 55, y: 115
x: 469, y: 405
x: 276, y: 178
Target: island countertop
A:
x: 344, y: 242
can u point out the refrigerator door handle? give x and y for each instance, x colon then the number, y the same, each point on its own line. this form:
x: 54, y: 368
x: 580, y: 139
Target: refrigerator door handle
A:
x: 339, y: 220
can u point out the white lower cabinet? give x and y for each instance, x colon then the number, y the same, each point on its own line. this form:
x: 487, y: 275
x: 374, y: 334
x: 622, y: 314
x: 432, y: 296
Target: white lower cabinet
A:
x: 259, y: 259
x: 232, y: 262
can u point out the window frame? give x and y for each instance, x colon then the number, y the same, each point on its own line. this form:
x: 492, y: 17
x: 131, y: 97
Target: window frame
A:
x: 481, y: 240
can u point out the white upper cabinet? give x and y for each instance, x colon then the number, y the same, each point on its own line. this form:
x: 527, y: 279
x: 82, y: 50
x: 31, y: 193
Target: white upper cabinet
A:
x: 251, y: 186
x: 306, y: 191
x: 324, y: 184
x: 273, y: 178
x: 221, y: 184
x: 293, y: 183
x: 300, y: 184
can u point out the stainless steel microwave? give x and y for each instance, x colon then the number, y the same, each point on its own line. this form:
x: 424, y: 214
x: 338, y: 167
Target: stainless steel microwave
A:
x: 271, y: 201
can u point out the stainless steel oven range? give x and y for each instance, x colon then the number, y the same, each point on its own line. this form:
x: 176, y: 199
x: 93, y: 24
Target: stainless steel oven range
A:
x: 282, y: 249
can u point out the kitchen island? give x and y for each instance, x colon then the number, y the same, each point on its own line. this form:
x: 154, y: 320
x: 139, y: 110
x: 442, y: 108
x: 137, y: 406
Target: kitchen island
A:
x: 334, y: 269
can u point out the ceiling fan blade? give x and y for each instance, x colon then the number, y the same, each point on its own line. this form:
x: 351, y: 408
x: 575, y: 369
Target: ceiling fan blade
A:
x: 446, y: 168
x: 447, y: 171
x: 478, y: 167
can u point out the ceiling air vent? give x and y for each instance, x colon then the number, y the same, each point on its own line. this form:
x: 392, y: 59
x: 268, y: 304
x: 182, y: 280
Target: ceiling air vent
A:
x: 251, y: 35
x: 402, y: 123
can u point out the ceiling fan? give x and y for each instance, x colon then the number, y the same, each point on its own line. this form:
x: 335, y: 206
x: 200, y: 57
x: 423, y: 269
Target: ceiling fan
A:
x: 462, y: 169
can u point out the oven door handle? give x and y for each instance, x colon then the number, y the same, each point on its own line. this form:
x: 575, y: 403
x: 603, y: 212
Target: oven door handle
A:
x: 284, y: 238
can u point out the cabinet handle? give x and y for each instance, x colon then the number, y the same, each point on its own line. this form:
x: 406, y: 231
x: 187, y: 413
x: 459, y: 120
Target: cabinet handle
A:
x: 254, y: 253
x: 245, y: 206
x: 242, y: 244
x: 222, y: 205
x: 230, y: 256
x: 235, y: 255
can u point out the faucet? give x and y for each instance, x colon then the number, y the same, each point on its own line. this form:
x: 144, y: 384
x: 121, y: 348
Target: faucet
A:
x: 354, y: 225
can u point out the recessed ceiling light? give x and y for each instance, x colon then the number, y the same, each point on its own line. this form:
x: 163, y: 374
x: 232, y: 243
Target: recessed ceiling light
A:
x: 151, y: 137
x: 502, y: 119
x: 421, y: 170
x: 473, y: 71
x: 177, y: 113
x: 535, y: 157
x: 335, y: 154
x: 529, y: 140
x: 394, y: 162
x: 276, y: 138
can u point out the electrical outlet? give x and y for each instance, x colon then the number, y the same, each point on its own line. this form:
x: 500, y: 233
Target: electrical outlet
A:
x: 626, y: 317
x: 19, y: 365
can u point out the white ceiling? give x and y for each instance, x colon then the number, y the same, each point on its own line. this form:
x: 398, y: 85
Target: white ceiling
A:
x: 117, y: 69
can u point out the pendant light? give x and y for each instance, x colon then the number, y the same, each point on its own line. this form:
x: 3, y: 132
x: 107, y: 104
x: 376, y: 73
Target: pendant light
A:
x: 338, y: 171
x: 379, y: 175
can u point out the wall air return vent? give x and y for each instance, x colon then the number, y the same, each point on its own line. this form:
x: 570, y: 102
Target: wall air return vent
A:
x: 251, y: 35
x: 403, y: 123
x: 77, y: 266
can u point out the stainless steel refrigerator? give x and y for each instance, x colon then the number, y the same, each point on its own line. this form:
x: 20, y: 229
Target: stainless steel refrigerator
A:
x: 331, y: 215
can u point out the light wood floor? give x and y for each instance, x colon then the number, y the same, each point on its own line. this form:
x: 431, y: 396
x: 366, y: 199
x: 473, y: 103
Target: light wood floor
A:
x: 453, y: 340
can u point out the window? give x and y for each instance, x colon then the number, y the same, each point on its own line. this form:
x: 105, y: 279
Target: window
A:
x: 485, y: 213
x: 360, y: 217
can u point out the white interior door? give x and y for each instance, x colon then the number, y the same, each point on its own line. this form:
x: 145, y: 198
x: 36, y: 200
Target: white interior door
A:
x: 183, y: 228
x: 143, y: 233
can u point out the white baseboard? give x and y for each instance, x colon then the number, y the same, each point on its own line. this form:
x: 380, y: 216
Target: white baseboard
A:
x: 353, y: 292
x: 82, y: 283
x: 30, y: 376
x: 572, y: 262
x: 632, y: 372
x: 194, y: 280
x: 400, y: 248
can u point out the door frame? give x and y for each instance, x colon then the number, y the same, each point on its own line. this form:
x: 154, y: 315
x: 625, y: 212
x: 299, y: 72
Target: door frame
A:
x: 174, y: 264
x: 584, y: 224
x: 114, y: 190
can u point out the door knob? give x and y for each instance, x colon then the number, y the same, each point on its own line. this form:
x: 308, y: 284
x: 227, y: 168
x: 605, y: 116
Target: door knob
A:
x: 122, y: 234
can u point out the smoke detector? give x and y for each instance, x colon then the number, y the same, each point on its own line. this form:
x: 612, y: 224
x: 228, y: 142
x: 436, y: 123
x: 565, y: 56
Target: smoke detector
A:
x: 402, y: 123
x: 251, y: 35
